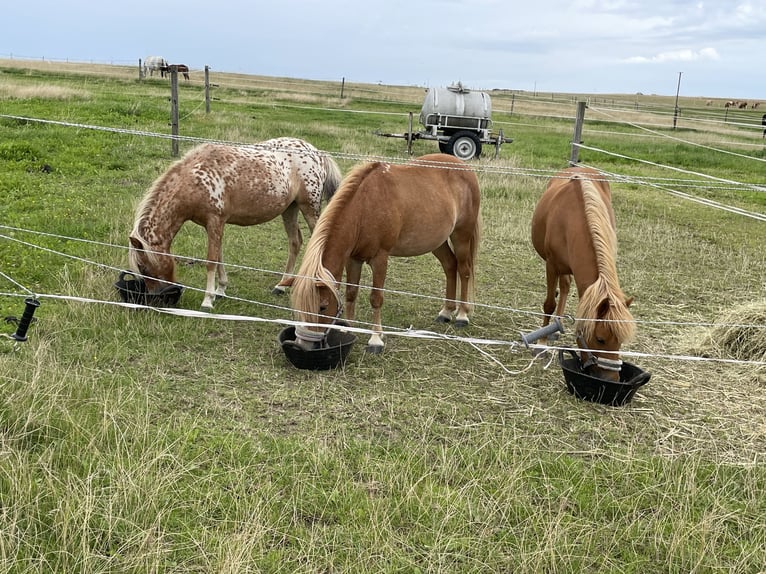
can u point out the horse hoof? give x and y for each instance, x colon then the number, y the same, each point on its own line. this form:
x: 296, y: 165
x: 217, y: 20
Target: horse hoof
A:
x: 374, y: 349
x: 206, y: 308
x: 461, y: 323
x: 442, y: 319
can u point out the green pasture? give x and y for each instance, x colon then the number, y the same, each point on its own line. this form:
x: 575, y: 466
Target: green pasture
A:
x: 137, y: 441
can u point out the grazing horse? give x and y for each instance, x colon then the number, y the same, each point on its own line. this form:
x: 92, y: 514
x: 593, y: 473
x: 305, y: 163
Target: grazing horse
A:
x: 180, y: 68
x: 430, y: 204
x: 155, y: 63
x: 573, y: 230
x: 217, y: 184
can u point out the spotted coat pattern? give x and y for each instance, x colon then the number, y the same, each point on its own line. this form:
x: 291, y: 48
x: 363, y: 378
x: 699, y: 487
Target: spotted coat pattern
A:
x: 214, y: 185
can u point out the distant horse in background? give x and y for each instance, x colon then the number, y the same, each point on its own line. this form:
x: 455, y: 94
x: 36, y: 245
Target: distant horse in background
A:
x: 430, y: 204
x: 213, y: 185
x: 573, y: 230
x: 155, y: 64
x: 181, y: 68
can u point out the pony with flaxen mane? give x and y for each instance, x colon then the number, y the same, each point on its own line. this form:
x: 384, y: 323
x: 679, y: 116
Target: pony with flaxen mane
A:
x: 213, y: 185
x: 430, y: 204
x: 573, y: 230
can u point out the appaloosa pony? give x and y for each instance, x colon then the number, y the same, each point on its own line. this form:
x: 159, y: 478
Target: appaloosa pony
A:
x: 430, y: 204
x: 573, y: 230
x: 213, y: 185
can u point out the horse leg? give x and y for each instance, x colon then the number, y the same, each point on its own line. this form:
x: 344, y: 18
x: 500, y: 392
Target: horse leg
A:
x: 379, y: 265
x: 551, y: 279
x: 294, y: 242
x: 353, y: 276
x: 465, y: 271
x: 214, y: 265
x: 565, y: 282
x: 449, y: 263
x: 223, y: 277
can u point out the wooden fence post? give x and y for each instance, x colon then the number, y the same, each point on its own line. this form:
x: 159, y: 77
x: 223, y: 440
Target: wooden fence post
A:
x: 574, y: 157
x: 207, y: 89
x: 342, y: 86
x: 140, y: 70
x: 410, y: 135
x: 174, y: 109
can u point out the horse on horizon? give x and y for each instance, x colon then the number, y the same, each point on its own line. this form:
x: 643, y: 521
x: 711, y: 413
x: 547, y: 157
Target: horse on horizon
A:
x: 180, y: 68
x: 573, y: 231
x: 428, y: 205
x: 155, y: 64
x: 215, y: 184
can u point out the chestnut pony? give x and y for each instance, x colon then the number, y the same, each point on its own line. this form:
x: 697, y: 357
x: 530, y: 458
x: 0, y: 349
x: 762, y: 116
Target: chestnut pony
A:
x: 573, y: 230
x: 430, y: 204
x: 213, y: 185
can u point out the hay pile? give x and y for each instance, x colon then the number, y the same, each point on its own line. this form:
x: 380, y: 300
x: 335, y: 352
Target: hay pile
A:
x: 739, y: 334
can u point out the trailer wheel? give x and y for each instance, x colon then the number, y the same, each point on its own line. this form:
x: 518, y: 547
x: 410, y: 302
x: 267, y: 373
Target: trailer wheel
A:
x: 464, y: 145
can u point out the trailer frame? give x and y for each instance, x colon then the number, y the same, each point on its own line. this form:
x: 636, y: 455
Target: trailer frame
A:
x: 461, y: 136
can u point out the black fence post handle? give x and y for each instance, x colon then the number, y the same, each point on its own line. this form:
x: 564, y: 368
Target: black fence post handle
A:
x: 29, y: 311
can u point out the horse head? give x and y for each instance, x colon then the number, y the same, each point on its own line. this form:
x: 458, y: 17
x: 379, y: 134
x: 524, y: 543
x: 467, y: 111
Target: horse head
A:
x: 316, y: 301
x: 158, y: 270
x: 601, y: 338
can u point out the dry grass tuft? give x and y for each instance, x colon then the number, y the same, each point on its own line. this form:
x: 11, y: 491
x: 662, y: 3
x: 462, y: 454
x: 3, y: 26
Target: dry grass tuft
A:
x: 740, y: 334
x: 12, y: 91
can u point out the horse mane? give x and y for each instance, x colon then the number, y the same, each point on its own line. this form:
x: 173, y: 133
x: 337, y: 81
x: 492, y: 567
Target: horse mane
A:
x: 144, y: 210
x: 304, y: 295
x: 606, y: 287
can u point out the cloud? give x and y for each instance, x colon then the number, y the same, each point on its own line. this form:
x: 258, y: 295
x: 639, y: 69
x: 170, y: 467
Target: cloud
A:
x: 676, y: 56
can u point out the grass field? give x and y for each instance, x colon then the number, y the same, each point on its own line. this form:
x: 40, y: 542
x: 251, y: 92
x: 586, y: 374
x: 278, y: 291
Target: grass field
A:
x: 136, y: 441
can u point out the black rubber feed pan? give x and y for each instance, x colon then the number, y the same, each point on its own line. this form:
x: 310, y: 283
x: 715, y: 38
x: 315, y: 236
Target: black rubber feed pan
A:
x: 588, y: 388
x: 132, y: 289
x: 333, y: 352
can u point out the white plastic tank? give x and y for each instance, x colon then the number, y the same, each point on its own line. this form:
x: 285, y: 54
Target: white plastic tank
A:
x: 454, y: 100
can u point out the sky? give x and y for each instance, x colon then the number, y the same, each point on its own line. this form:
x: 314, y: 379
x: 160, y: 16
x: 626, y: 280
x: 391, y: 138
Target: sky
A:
x: 697, y: 48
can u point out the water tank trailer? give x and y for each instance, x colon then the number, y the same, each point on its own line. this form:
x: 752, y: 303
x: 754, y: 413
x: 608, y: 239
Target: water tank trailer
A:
x: 459, y: 119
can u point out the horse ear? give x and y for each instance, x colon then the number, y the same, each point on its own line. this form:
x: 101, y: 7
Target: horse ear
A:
x: 136, y: 243
x: 603, y: 308
x: 628, y: 301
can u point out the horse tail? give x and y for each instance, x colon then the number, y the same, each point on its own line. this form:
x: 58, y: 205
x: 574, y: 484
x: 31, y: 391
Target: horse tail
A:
x: 333, y: 177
